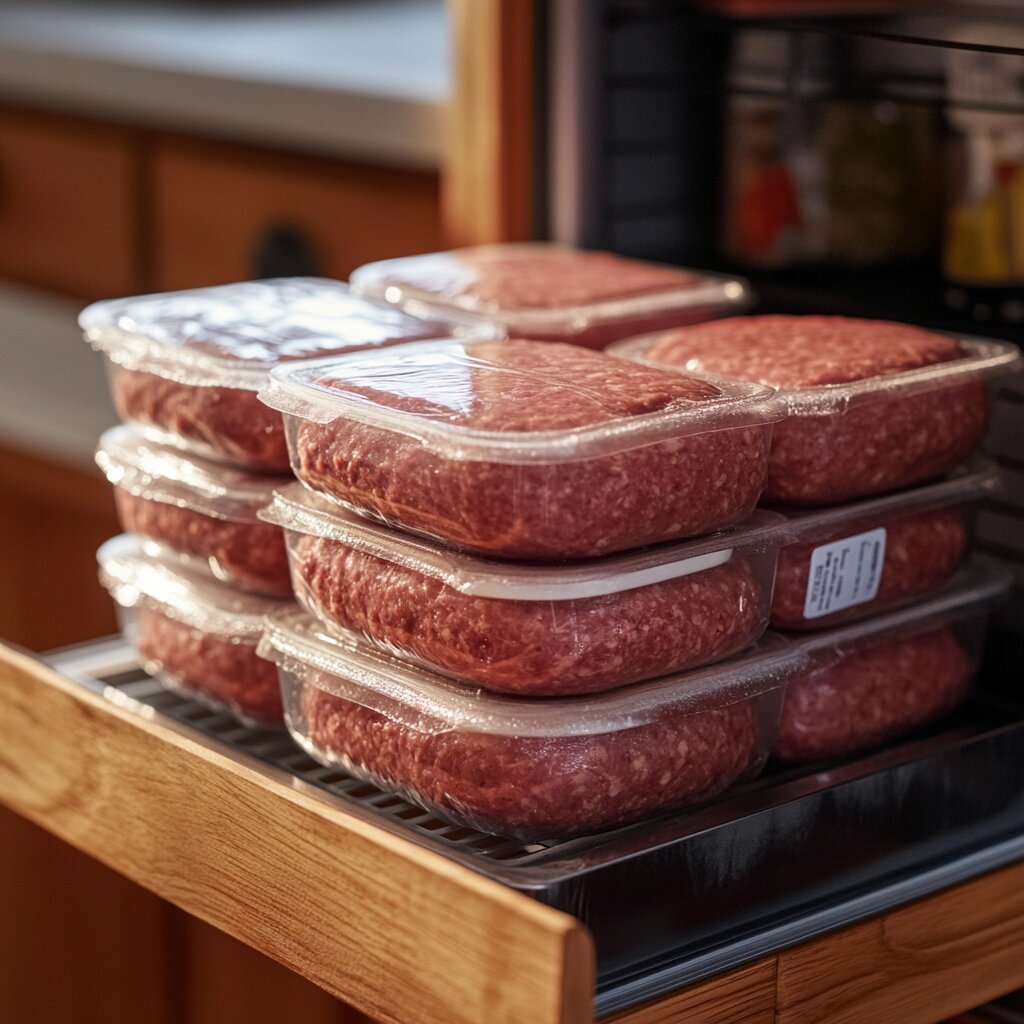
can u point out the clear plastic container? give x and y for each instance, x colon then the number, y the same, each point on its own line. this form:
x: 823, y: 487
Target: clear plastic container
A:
x: 851, y: 561
x: 188, y: 364
x: 201, y: 509
x: 194, y: 634
x: 871, y: 406
x: 526, y: 449
x: 527, y: 628
x: 534, y: 769
x: 552, y: 292
x: 874, y: 681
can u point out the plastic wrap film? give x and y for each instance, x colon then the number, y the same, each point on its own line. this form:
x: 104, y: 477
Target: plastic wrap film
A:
x: 526, y: 449
x: 532, y: 769
x: 552, y: 292
x: 871, y: 406
x: 855, y: 560
x: 532, y: 629
x: 193, y: 633
x: 202, y: 509
x: 189, y: 363
x: 874, y: 681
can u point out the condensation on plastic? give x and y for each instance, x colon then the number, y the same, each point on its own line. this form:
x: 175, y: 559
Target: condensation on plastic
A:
x: 231, y: 335
x: 526, y: 628
x: 875, y: 680
x: 927, y: 537
x: 983, y: 360
x: 139, y: 577
x: 148, y: 469
x: 446, y: 283
x: 536, y: 768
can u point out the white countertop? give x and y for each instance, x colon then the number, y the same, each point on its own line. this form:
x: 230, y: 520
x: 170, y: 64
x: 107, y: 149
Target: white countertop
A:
x: 367, y: 79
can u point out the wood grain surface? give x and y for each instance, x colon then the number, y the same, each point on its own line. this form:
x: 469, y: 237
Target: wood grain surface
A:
x: 400, y: 933
x: 743, y: 996
x: 914, y: 965
x: 488, y: 190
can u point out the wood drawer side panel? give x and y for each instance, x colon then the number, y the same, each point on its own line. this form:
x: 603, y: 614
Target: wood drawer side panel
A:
x: 400, y: 933
x: 919, y: 964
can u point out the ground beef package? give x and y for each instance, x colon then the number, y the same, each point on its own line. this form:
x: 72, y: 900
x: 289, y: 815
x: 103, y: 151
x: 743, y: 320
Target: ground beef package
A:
x: 872, y: 406
x: 532, y: 629
x: 194, y: 634
x: 188, y: 364
x: 200, y: 509
x: 533, y: 769
x: 871, y: 682
x: 852, y: 561
x: 526, y: 449
x: 552, y: 292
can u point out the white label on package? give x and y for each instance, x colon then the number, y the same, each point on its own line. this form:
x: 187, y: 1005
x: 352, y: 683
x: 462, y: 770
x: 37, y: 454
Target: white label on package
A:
x: 844, y: 573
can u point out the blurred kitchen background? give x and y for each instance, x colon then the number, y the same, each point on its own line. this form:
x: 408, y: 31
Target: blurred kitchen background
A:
x: 862, y: 157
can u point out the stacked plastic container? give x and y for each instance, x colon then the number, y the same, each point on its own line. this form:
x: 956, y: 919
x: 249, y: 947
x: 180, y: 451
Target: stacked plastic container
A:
x: 872, y: 408
x: 533, y: 579
x: 198, y: 458
x: 523, y: 534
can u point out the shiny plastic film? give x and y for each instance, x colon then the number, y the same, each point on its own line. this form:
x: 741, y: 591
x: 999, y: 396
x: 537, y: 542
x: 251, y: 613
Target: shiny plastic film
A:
x: 189, y: 363
x: 870, y: 406
x: 874, y: 681
x: 525, y: 628
x: 201, y: 509
x: 526, y: 449
x: 533, y: 769
x: 861, y: 558
x: 552, y: 292
x: 192, y: 633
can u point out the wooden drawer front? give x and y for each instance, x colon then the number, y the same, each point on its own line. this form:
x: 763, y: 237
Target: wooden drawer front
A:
x: 214, y: 207
x: 915, y: 965
x: 69, y: 205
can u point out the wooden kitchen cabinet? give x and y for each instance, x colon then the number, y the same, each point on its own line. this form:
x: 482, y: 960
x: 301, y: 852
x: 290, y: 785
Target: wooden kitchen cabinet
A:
x: 70, y: 204
x: 214, y: 207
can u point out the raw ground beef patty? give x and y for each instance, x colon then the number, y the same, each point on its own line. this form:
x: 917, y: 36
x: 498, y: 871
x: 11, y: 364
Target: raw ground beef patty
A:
x: 857, y: 699
x: 922, y: 551
x: 876, y: 446
x: 505, y: 280
x: 682, y: 486
x: 226, y: 672
x: 229, y: 423
x: 249, y: 554
x: 540, y: 787
x: 546, y: 648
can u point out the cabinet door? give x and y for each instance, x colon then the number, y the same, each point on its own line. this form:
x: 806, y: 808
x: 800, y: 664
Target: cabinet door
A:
x: 69, y: 205
x: 226, y: 213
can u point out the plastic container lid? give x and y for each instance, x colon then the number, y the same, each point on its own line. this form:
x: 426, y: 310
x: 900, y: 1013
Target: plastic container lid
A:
x: 445, y: 381
x: 230, y: 336
x: 972, y: 482
x: 435, y: 284
x: 159, y: 472
x: 433, y: 704
x: 135, y: 577
x: 299, y: 509
x: 971, y: 591
x: 983, y: 359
